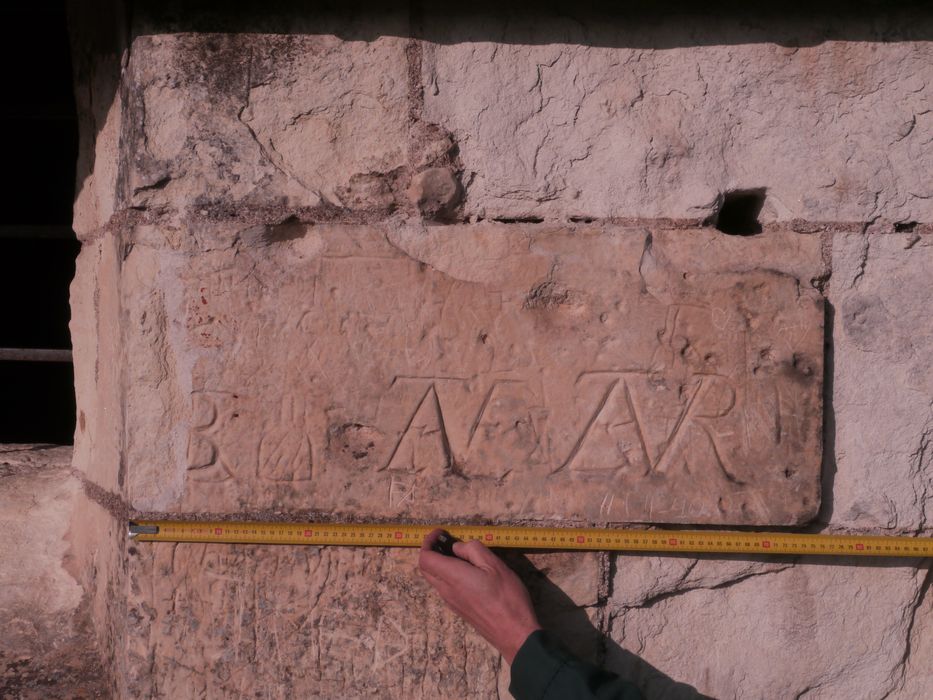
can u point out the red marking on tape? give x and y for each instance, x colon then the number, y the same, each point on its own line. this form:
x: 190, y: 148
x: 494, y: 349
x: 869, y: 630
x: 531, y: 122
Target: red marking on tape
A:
x: 489, y: 537
x: 307, y: 533
x: 766, y: 544
x: 672, y: 541
x: 580, y: 539
x: 859, y: 545
x: 218, y: 531
x: 398, y: 535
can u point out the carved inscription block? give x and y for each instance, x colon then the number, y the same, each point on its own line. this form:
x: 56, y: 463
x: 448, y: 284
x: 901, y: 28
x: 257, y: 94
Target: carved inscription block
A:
x: 602, y: 374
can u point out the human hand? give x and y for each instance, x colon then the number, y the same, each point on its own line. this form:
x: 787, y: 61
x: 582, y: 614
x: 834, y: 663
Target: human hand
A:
x: 483, y: 590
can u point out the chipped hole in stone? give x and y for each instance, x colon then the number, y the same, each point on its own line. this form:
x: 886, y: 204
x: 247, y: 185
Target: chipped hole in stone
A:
x: 905, y: 226
x: 519, y: 220
x: 801, y: 365
x: 738, y: 212
x: 581, y: 219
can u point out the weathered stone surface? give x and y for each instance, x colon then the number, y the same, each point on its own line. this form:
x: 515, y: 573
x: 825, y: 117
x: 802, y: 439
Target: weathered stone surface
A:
x: 319, y: 623
x: 435, y: 191
x: 225, y: 122
x: 883, y: 383
x: 812, y: 630
x: 916, y: 677
x: 586, y: 113
x: 452, y: 373
x: 97, y: 43
x: 95, y: 332
x: 188, y: 335
x: 47, y: 648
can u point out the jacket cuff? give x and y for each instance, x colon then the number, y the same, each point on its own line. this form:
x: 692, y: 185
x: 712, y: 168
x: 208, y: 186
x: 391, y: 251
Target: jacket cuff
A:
x: 535, y: 666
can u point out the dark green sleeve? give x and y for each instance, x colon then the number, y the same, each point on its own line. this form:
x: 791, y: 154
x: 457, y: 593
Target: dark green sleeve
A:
x: 544, y: 670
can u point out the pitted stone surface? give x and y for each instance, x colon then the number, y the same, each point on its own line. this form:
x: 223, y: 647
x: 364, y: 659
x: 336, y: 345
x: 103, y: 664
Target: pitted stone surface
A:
x: 480, y: 371
x: 224, y: 122
x: 318, y: 623
x: 810, y: 630
x: 883, y: 393
x: 261, y: 116
x: 48, y: 649
x: 562, y: 114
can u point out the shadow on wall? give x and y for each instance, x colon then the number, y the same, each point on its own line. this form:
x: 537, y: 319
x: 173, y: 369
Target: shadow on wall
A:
x: 558, y: 613
x: 101, y: 30
x: 828, y: 466
x: 599, y: 23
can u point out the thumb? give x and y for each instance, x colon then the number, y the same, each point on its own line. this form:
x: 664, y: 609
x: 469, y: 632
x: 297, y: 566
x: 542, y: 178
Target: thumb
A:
x: 476, y: 553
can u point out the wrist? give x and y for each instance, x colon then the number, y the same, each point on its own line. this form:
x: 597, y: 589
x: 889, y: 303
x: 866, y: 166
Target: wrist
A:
x: 515, y: 639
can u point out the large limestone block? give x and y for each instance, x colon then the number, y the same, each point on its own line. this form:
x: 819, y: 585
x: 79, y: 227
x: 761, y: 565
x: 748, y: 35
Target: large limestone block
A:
x: 236, y: 122
x: 587, y: 113
x: 916, y: 679
x: 743, y: 630
x: 47, y: 649
x: 883, y: 381
x: 96, y: 338
x: 222, y: 621
x: 477, y: 371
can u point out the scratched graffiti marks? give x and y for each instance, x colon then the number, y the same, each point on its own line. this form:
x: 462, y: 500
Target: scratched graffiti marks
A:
x: 280, y: 623
x: 352, y: 374
x: 285, y: 449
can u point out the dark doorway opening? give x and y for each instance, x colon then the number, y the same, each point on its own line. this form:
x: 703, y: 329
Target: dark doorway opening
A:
x: 37, y: 246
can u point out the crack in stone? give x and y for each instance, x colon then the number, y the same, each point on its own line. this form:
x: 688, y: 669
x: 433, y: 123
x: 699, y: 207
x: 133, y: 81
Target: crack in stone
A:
x: 665, y: 595
x: 863, y: 262
x: 912, y: 617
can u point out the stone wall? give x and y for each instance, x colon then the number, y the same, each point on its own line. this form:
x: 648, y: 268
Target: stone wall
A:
x: 359, y: 262
x: 48, y: 648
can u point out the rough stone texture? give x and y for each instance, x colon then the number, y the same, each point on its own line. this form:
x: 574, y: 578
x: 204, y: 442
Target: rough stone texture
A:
x: 47, y: 649
x: 321, y: 623
x: 478, y: 371
x: 232, y: 154
x: 262, y: 120
x: 916, y: 677
x: 806, y: 618
x: 734, y: 630
x: 436, y: 192
x: 578, y: 113
x: 883, y: 394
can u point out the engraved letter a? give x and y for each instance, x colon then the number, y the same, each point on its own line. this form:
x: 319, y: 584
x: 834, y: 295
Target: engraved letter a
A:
x: 423, y: 444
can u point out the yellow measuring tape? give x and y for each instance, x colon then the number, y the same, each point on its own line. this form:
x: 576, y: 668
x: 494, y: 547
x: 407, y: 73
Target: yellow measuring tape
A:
x: 566, y: 538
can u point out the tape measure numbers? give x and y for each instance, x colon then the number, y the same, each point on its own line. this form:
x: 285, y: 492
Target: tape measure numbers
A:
x: 569, y: 538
